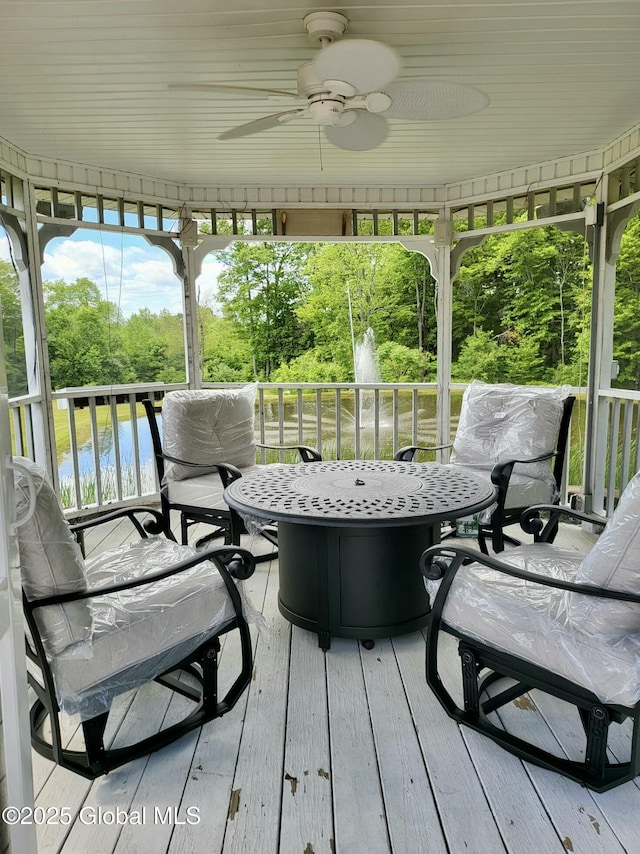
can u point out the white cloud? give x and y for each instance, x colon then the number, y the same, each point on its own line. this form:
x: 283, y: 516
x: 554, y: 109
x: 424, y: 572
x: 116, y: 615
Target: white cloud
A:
x: 207, y: 283
x: 129, y: 272
x: 5, y: 253
x: 131, y: 276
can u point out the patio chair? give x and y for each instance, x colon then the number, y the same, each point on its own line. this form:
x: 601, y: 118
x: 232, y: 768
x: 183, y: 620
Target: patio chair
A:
x: 544, y: 619
x: 152, y: 610
x: 517, y: 437
x: 208, y: 441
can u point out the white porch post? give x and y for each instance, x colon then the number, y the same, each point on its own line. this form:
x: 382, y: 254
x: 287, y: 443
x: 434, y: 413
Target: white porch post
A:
x: 443, y: 238
x: 13, y: 675
x: 596, y: 416
x: 192, y: 349
x: 439, y: 257
x: 601, y: 364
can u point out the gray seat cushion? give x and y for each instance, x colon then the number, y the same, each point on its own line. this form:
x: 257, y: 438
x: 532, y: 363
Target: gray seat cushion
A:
x: 534, y: 623
x: 138, y: 633
x: 204, y: 491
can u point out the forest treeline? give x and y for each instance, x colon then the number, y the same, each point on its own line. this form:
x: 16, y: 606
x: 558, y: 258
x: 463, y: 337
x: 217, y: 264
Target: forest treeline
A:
x: 290, y: 312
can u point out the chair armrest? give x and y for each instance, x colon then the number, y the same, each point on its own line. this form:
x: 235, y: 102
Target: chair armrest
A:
x: 231, y: 561
x: 444, y: 562
x: 531, y: 523
x: 228, y: 473
x: 501, y: 472
x: 407, y: 454
x: 153, y: 526
x: 307, y: 453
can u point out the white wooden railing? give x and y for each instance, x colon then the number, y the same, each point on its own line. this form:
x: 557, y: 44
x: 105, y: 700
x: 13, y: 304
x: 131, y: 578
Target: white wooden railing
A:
x: 343, y: 420
x: 619, y: 411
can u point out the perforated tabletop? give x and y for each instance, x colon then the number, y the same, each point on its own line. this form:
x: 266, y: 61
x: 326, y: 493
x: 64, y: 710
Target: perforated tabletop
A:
x: 360, y: 492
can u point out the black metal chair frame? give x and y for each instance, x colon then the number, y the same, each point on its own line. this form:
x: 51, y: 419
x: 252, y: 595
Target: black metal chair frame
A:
x: 483, y: 668
x: 500, y: 477
x: 202, y: 664
x: 227, y: 522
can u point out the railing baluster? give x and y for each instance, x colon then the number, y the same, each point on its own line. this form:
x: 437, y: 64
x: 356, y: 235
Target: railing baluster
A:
x: 18, y: 432
x: 261, y: 419
x: 135, y: 444
x: 319, y: 419
x: 613, y: 457
x: 115, y: 437
x: 636, y: 409
x: 626, y: 444
x: 75, y: 463
x: 95, y: 441
x: 338, y: 424
x: 356, y: 425
x: 281, y: 438
x: 28, y: 430
x: 300, y: 405
x: 376, y: 424
x: 396, y: 419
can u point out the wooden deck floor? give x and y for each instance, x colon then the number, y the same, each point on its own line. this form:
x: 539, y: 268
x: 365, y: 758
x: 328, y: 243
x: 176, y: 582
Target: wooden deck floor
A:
x: 345, y: 751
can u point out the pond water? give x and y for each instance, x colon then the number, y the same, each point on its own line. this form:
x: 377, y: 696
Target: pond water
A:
x: 106, y: 450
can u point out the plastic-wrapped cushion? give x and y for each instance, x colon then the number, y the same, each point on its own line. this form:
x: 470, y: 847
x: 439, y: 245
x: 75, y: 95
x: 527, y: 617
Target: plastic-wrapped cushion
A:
x: 141, y: 632
x: 505, y: 421
x: 208, y: 426
x: 533, y: 622
x: 51, y: 563
x: 613, y: 563
x: 203, y: 491
x: 523, y: 491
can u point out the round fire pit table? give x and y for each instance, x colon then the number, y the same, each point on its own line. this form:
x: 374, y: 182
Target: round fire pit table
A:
x: 350, y: 533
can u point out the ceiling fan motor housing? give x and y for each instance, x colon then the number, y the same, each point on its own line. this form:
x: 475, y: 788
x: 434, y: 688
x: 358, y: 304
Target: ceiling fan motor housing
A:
x: 329, y: 110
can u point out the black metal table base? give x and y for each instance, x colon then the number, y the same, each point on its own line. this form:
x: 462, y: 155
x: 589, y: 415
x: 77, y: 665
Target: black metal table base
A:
x: 353, y: 582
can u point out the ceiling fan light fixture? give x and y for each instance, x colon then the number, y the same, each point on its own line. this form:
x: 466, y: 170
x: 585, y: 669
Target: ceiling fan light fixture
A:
x: 377, y: 102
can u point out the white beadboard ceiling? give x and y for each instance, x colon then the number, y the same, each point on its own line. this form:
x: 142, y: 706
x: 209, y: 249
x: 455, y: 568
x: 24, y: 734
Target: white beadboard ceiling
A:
x: 88, y: 81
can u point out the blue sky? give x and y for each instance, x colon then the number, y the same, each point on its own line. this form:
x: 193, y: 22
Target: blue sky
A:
x: 129, y: 272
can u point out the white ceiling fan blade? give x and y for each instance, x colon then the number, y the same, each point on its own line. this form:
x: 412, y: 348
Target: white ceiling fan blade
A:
x: 265, y: 123
x: 367, y: 131
x: 232, y: 89
x: 365, y: 64
x: 432, y: 100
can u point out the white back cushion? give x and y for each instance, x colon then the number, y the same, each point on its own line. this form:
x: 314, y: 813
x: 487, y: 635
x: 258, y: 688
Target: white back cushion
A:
x: 613, y: 563
x: 505, y: 421
x: 51, y: 563
x: 208, y: 426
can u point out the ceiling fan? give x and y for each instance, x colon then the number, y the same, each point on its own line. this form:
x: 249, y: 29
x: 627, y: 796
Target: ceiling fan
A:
x: 349, y: 89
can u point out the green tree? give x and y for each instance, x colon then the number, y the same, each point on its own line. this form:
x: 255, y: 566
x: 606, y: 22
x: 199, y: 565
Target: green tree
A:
x: 12, y: 330
x: 626, y: 337
x: 400, y: 364
x: 311, y: 368
x: 481, y: 358
x: 260, y: 289
x: 226, y: 353
x: 354, y: 286
x: 526, y: 290
x: 84, y: 334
